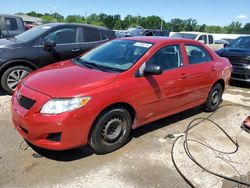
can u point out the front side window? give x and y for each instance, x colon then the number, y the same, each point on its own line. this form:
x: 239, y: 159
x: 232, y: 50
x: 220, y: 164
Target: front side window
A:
x: 168, y: 57
x: 197, y: 54
x: 11, y: 24
x: 91, y: 35
x: 33, y: 33
x: 62, y: 36
x: 117, y: 55
x: 204, y: 38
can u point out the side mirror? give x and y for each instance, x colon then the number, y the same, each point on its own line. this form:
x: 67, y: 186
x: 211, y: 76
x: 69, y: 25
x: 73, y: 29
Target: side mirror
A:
x: 202, y: 41
x: 48, y: 44
x: 152, y: 69
x: 225, y: 45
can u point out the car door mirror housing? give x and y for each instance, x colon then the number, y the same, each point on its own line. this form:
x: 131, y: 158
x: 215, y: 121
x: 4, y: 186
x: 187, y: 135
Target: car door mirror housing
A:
x: 225, y: 45
x: 202, y: 41
x: 48, y: 44
x: 152, y: 69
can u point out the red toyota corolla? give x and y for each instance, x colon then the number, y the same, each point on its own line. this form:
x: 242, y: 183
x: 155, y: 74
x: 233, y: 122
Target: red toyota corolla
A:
x: 98, y: 98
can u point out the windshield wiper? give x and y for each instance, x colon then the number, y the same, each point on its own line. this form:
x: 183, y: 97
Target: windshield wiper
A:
x: 91, y: 65
x: 11, y: 36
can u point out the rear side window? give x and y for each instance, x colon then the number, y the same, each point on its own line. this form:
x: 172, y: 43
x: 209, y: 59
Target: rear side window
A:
x: 62, y: 36
x: 210, y: 39
x: 91, y: 35
x: 11, y: 24
x: 197, y: 54
x: 168, y: 57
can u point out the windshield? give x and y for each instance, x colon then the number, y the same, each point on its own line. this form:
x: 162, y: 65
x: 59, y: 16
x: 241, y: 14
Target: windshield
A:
x: 117, y: 55
x: 185, y: 35
x: 32, y: 33
x: 241, y: 42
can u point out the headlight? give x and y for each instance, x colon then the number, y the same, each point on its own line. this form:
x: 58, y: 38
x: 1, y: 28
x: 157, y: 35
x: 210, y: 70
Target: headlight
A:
x: 56, y: 106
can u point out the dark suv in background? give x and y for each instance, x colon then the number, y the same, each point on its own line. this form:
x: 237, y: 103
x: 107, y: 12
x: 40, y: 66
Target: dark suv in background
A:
x: 238, y: 53
x: 44, y: 45
x: 10, y: 26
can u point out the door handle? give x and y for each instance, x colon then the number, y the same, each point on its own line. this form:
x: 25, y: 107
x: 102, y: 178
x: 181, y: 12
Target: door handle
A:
x: 76, y: 50
x: 213, y: 69
x: 184, y: 76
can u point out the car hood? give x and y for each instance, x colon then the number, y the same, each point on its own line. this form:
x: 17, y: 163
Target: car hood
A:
x: 67, y: 79
x: 235, y: 52
x: 9, y: 43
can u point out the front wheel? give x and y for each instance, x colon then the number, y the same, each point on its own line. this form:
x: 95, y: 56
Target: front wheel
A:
x: 12, y: 76
x: 214, y: 98
x: 111, y: 130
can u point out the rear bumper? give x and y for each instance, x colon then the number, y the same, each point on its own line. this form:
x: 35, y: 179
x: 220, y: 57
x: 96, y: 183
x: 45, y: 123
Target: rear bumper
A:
x: 54, y: 132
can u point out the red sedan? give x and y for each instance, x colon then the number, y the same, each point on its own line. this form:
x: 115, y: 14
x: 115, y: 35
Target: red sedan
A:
x: 98, y: 98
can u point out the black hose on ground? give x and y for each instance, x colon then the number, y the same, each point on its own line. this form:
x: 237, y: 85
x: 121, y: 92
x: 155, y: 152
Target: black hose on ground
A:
x: 190, y: 126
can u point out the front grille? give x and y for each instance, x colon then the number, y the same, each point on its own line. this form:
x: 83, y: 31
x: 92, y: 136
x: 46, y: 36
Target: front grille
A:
x: 26, y: 102
x: 239, y: 76
x: 238, y: 61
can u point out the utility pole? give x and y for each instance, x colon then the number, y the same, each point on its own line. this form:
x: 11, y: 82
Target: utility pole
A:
x: 86, y: 16
x: 137, y: 22
x: 161, y: 23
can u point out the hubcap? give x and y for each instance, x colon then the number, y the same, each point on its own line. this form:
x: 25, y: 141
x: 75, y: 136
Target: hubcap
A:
x: 112, y: 130
x: 215, y: 97
x: 15, y: 77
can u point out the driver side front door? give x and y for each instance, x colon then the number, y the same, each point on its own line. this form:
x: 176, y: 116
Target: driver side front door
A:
x: 164, y: 94
x: 66, y: 46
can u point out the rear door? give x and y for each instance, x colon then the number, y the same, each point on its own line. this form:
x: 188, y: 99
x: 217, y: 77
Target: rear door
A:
x: 201, y: 72
x: 91, y: 38
x: 166, y: 93
x: 67, y: 45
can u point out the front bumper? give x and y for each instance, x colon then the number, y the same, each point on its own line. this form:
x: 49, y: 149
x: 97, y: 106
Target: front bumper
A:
x: 241, y: 73
x: 70, y: 129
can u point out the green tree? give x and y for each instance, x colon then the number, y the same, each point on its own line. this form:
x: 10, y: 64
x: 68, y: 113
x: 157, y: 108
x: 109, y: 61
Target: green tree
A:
x: 246, y: 29
x: 202, y: 28
x: 75, y: 19
x: 93, y: 18
x: 190, y: 24
x: 48, y: 19
x: 177, y: 25
x: 58, y: 17
x: 34, y: 14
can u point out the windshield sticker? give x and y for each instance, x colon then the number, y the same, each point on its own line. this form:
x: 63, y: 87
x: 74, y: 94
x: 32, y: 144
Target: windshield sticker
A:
x: 141, y: 44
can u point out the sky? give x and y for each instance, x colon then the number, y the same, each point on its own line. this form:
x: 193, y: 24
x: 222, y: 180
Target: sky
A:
x: 210, y: 12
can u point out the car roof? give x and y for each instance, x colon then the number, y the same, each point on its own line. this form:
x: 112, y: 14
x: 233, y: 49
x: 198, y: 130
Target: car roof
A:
x: 9, y: 15
x: 158, y: 39
x: 193, y: 32
x: 74, y: 24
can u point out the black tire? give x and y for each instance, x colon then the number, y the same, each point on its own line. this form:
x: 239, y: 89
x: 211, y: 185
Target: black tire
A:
x: 111, y: 130
x: 214, y: 98
x: 7, y: 79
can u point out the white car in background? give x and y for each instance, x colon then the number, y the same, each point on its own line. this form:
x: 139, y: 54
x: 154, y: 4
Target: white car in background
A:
x: 204, y: 38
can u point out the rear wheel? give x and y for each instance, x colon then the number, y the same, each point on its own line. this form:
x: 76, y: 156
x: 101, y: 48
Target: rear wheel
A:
x: 111, y: 130
x: 214, y: 98
x: 12, y: 76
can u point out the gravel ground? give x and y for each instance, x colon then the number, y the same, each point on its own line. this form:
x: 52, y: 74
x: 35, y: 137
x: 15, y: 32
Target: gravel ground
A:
x: 144, y: 162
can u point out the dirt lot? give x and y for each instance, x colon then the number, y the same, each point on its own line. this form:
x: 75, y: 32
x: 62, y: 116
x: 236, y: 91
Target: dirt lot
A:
x: 145, y: 161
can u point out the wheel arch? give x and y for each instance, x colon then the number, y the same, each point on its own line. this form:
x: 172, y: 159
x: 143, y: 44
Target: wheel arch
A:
x: 124, y: 105
x: 16, y: 62
x: 221, y: 82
